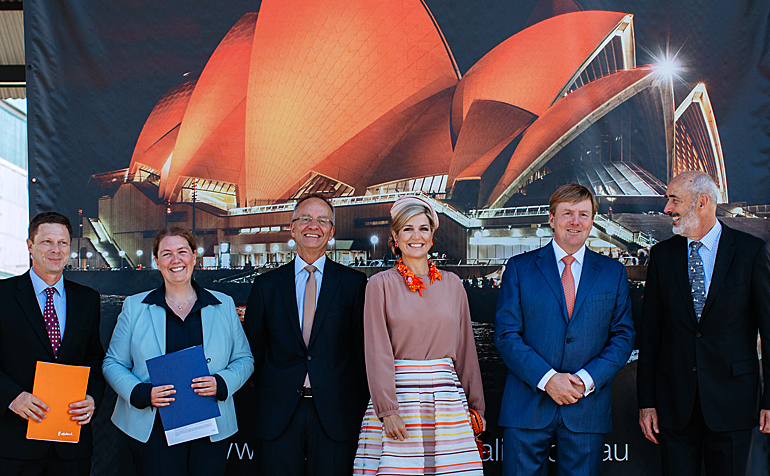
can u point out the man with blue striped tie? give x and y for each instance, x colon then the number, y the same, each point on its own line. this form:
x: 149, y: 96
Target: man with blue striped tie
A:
x: 706, y: 297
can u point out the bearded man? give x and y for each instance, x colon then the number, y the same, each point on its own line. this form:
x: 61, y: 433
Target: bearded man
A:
x: 707, y: 295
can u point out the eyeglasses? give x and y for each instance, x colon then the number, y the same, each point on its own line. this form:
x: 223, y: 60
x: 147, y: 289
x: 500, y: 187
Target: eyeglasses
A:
x: 306, y: 220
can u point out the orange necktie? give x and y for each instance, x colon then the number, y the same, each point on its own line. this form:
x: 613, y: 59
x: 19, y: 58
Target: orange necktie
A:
x: 568, y: 282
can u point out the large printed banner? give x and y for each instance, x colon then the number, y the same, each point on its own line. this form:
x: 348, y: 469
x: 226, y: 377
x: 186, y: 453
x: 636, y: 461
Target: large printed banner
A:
x: 216, y: 115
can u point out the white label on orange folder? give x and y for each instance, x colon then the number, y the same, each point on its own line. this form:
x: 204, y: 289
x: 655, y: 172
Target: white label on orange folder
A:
x: 58, y: 385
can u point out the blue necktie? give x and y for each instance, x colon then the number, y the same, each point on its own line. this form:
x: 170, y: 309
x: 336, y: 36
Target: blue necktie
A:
x: 697, y: 278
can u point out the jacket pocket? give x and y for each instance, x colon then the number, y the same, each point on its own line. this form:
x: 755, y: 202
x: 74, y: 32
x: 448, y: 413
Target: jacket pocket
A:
x: 602, y: 296
x: 745, y: 367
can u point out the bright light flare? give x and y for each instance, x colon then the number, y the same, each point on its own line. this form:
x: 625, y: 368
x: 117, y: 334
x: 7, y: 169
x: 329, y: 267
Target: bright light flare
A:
x: 668, y: 64
x: 668, y: 67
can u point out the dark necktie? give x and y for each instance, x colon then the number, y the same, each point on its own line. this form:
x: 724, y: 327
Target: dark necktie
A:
x: 308, y: 311
x: 568, y: 282
x: 52, y: 321
x: 697, y: 278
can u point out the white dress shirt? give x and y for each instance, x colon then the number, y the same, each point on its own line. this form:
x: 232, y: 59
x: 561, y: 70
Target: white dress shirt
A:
x: 577, y: 269
x: 300, y: 281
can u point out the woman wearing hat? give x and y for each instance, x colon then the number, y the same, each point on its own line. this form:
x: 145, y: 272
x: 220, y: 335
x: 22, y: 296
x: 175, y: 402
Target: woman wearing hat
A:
x: 421, y: 359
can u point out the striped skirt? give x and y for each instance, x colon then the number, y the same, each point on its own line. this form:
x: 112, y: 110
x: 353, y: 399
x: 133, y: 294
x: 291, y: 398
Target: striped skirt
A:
x: 433, y: 407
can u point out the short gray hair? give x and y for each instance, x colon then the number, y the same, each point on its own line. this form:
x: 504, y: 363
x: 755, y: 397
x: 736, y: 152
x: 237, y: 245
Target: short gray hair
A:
x: 701, y: 183
x: 318, y: 196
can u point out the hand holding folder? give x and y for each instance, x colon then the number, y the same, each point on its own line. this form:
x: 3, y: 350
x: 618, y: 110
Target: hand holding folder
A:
x: 182, y: 393
x: 29, y: 407
x: 58, y: 387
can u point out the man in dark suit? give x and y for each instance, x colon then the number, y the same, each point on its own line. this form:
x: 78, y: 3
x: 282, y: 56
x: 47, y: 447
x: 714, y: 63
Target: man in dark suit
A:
x: 563, y: 327
x: 706, y: 297
x: 49, y: 319
x: 304, y: 322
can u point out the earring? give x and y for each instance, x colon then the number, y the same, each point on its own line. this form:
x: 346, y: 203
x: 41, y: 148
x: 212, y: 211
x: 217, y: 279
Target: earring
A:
x: 395, y: 244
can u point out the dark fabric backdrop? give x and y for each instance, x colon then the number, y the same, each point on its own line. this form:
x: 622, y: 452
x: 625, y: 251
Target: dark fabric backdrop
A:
x: 96, y: 69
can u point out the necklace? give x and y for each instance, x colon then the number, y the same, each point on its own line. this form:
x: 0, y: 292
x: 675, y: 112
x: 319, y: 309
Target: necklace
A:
x: 412, y: 280
x: 179, y: 306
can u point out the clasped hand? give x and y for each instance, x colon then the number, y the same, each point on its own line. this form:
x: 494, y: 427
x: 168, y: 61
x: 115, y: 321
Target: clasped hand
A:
x: 565, y: 389
x: 162, y: 395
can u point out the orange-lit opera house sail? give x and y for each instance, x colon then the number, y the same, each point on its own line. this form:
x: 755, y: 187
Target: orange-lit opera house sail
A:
x: 366, y: 93
x: 157, y: 140
x: 215, y: 114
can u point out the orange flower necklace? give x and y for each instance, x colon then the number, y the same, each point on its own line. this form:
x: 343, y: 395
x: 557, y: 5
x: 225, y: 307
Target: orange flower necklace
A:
x: 412, y: 280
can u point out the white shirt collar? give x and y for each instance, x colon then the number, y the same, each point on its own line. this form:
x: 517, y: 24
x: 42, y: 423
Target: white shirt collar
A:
x: 560, y: 253
x: 711, y: 239
x: 39, y: 285
x: 299, y: 264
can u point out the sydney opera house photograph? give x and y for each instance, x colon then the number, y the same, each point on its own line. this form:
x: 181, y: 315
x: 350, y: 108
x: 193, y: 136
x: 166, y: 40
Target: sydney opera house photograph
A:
x: 298, y: 102
x: 219, y: 117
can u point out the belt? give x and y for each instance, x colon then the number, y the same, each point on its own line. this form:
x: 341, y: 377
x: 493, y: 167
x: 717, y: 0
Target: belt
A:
x: 305, y: 392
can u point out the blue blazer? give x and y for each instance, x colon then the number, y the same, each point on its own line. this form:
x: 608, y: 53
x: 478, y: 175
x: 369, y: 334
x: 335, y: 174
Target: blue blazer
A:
x: 140, y: 334
x: 534, y: 334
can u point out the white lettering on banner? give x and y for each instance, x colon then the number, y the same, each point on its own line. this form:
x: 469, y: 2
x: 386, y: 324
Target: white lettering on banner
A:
x: 244, y: 451
x: 608, y: 452
x: 495, y: 451
x: 65, y: 433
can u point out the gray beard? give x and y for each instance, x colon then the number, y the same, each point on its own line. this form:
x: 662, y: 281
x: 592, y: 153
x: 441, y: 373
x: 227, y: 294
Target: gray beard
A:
x: 687, y: 223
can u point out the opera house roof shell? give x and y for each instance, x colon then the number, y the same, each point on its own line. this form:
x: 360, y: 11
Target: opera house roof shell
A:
x: 364, y: 93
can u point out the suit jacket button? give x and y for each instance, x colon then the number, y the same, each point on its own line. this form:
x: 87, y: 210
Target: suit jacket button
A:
x: 569, y: 340
x: 309, y: 358
x: 695, y: 369
x: 697, y: 335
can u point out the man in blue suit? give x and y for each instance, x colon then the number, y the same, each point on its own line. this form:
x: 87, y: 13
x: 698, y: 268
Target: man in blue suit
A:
x: 563, y: 327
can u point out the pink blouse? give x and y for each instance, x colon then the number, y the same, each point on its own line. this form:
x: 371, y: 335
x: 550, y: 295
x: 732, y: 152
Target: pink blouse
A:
x: 399, y: 324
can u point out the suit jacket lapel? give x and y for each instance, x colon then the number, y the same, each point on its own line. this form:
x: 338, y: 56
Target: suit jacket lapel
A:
x: 28, y: 302
x: 679, y: 261
x: 207, y: 323
x: 158, y: 317
x: 288, y: 292
x: 546, y: 262
x: 725, y: 252
x: 588, y: 275
x: 329, y: 285
x: 74, y: 316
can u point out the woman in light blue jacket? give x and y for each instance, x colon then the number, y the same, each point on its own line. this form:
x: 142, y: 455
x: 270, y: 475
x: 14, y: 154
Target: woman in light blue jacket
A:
x: 175, y: 316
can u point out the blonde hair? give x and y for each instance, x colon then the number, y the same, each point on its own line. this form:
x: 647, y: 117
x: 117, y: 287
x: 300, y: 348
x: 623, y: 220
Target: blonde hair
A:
x: 399, y: 219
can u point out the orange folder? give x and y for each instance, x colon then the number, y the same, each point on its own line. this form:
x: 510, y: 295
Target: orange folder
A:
x: 58, y: 385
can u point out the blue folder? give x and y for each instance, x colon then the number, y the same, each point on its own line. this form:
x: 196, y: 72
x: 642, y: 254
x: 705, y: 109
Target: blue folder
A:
x: 178, y: 369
